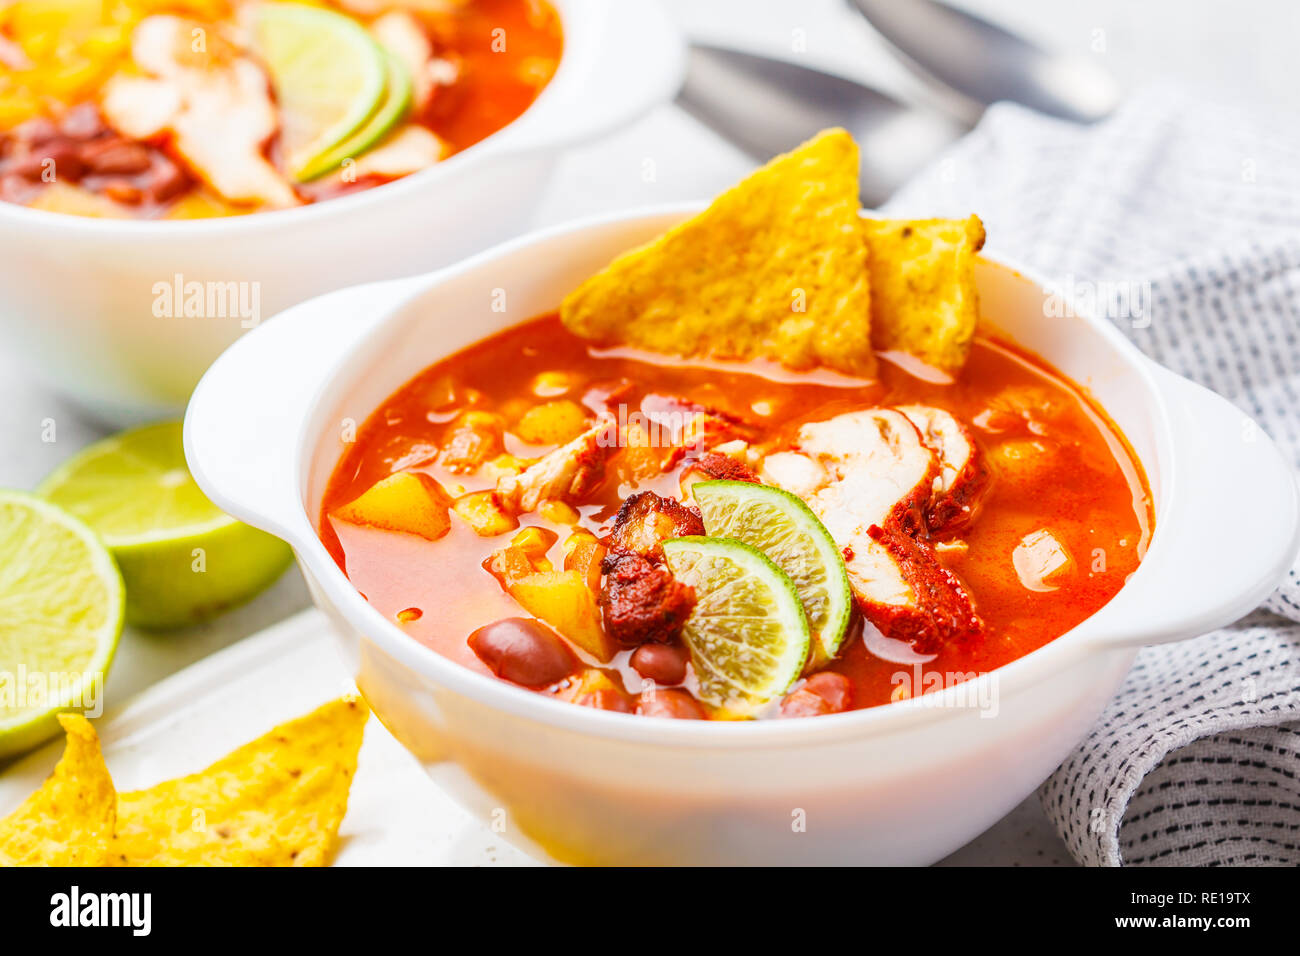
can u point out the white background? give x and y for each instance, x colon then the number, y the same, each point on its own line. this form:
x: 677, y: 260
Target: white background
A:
x: 1244, y: 50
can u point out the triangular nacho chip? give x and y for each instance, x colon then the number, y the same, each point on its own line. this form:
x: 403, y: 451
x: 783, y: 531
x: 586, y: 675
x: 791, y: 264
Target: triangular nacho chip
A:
x: 69, y: 820
x: 923, y: 297
x: 774, y: 268
x: 277, y: 801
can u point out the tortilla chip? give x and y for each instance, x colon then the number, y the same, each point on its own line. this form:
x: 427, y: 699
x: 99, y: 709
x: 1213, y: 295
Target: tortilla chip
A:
x: 69, y: 820
x: 923, y: 297
x: 774, y: 268
x: 277, y: 801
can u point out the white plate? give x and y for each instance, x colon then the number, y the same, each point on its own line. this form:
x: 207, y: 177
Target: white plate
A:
x: 396, y: 815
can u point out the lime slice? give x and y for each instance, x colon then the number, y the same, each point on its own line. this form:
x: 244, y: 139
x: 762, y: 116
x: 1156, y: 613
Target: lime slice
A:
x: 182, y: 559
x: 60, y: 617
x: 784, y: 528
x: 748, y: 634
x: 397, y: 100
x: 329, y: 76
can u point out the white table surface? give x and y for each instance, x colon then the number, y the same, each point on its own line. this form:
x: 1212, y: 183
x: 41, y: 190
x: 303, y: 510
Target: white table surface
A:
x: 1241, y: 50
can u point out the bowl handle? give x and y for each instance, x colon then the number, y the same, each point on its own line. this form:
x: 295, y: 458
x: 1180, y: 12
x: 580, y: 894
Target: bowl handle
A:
x: 637, y: 61
x: 1231, y: 529
x: 244, y: 421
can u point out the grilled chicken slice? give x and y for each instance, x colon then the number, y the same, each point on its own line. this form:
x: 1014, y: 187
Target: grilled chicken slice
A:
x: 868, y: 476
x: 694, y: 426
x: 215, y: 104
x: 646, y: 521
x: 640, y: 599
x: 569, y: 473
x: 963, y: 475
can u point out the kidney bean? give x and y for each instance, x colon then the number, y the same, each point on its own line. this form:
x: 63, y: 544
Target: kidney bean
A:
x: 661, y: 663
x: 34, y: 132
x: 165, y: 180
x: 824, y: 693
x: 523, y: 651
x: 669, y: 702
x: 116, y: 156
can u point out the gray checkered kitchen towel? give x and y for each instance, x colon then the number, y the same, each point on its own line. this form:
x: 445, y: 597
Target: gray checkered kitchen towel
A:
x: 1197, y: 760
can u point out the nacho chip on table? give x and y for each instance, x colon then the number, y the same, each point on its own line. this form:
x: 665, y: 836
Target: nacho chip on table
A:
x: 774, y: 268
x: 69, y: 820
x: 277, y: 801
x: 923, y: 296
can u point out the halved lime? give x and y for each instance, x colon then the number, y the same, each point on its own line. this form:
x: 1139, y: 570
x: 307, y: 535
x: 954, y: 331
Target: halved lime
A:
x: 784, y: 528
x: 748, y: 634
x: 329, y: 76
x: 60, y: 617
x: 397, y: 100
x: 182, y: 559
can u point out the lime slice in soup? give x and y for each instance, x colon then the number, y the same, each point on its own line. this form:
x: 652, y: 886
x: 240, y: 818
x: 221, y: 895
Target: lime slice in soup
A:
x: 781, y: 526
x: 329, y: 76
x: 748, y: 634
x: 397, y: 100
x: 181, y: 557
x: 61, y: 607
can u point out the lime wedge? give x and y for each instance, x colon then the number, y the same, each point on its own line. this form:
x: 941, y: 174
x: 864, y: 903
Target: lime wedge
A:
x: 182, y: 559
x: 784, y: 528
x: 748, y: 634
x: 397, y: 100
x: 329, y: 76
x: 60, y: 617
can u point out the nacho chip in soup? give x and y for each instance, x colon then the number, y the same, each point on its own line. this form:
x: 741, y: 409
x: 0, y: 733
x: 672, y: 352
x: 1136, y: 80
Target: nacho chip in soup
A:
x: 923, y: 296
x: 775, y: 268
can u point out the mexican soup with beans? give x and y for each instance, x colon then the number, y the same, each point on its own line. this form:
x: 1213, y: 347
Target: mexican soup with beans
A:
x: 1062, y: 520
x: 768, y: 465
x: 184, y: 109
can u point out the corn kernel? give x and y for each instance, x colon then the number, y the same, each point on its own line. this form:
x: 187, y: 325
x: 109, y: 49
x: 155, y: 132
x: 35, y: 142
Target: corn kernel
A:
x: 559, y: 512
x: 552, y: 384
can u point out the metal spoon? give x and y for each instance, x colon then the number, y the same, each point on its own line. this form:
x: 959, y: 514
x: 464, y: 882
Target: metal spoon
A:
x: 768, y: 106
x: 982, y: 63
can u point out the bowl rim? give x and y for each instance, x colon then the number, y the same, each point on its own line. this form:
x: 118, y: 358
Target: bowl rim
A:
x: 1013, y: 678
x: 507, y: 141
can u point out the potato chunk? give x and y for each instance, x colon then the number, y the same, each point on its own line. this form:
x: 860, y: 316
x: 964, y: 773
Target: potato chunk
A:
x: 485, y: 512
x: 407, y: 502
x: 563, y: 600
x: 552, y: 423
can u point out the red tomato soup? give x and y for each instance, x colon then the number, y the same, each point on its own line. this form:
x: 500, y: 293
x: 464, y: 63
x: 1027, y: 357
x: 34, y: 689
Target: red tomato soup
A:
x: 1063, y: 518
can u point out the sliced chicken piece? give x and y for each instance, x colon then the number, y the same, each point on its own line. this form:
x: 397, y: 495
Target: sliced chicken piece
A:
x: 403, y: 36
x: 963, y: 475
x: 409, y: 150
x: 867, y: 475
x: 692, y: 425
x: 641, y: 600
x: 569, y: 473
x: 215, y: 103
x: 646, y: 521
x: 715, y: 465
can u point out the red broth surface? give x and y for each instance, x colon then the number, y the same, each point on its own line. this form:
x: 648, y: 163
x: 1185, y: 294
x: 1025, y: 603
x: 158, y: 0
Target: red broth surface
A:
x: 1058, y: 464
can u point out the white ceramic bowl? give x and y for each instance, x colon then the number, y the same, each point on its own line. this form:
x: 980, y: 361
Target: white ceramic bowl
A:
x: 78, y: 296
x: 904, y: 783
